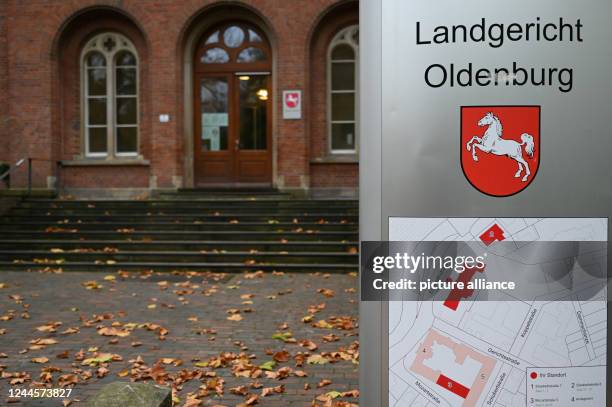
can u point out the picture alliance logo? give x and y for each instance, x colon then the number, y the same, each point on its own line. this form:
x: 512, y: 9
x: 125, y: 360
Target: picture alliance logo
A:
x: 500, y: 147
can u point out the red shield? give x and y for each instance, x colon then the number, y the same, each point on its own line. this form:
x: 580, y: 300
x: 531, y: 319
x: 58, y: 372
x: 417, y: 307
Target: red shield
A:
x: 292, y: 99
x: 500, y: 147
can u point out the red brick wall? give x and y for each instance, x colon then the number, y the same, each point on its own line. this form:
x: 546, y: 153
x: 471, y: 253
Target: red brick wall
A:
x: 327, y: 174
x: 330, y: 175
x: 27, y: 112
x: 42, y: 91
x: 4, y: 148
x: 106, y: 177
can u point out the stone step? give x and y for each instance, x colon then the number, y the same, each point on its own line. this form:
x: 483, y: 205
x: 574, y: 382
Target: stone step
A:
x: 220, y: 196
x: 187, y: 235
x: 219, y: 217
x: 158, y: 266
x: 178, y: 257
x: 224, y: 231
x: 223, y: 191
x: 24, y: 193
x: 202, y: 203
x: 229, y: 189
x: 186, y: 226
x: 173, y: 245
x: 175, y: 211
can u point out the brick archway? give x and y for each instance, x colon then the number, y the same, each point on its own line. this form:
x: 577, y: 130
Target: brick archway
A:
x: 67, y: 113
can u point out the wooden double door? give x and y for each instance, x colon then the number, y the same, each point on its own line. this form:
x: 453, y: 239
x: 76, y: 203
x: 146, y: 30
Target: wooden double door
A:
x: 232, y: 128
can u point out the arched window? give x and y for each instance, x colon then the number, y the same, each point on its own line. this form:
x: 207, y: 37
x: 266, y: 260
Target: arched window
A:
x: 109, y: 65
x: 342, y: 91
x: 234, y: 46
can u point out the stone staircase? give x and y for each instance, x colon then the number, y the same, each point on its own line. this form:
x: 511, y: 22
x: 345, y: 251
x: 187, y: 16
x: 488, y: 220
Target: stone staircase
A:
x: 198, y: 230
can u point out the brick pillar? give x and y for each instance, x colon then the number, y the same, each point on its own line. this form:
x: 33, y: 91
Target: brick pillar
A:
x: 28, y: 89
x: 165, y: 140
x: 292, y: 70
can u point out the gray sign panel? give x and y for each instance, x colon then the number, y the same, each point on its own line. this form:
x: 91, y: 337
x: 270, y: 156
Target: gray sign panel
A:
x: 421, y: 62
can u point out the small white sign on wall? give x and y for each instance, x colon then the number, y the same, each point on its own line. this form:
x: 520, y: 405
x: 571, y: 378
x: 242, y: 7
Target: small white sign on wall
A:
x: 292, y: 104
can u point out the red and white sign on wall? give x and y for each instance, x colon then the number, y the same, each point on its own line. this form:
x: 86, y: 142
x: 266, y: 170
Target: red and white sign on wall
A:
x: 292, y: 104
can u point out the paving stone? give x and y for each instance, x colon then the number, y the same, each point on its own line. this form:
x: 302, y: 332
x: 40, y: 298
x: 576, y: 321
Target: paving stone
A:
x: 186, y: 306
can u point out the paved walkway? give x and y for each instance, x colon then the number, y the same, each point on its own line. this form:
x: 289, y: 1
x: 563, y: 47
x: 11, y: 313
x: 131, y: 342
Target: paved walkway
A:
x: 218, y: 339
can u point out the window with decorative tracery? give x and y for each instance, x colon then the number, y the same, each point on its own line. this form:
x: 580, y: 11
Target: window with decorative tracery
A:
x: 109, y: 65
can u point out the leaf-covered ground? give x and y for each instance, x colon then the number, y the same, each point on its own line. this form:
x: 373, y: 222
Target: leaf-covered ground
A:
x: 266, y: 339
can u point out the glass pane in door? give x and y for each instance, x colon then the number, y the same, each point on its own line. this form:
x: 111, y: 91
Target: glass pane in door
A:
x: 214, y: 110
x: 254, y: 96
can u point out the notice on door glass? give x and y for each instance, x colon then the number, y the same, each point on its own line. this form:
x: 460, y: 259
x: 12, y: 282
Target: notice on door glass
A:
x: 214, y: 119
x: 566, y: 386
x: 211, y: 138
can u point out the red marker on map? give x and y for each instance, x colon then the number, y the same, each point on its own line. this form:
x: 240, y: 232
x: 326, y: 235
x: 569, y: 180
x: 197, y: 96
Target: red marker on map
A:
x: 456, y: 295
x: 453, y: 386
x: 492, y: 234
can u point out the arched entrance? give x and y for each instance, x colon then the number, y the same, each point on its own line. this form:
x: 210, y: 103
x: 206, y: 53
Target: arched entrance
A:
x: 232, y: 106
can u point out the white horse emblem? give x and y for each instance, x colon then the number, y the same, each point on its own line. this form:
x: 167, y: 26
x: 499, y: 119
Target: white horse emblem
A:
x: 492, y: 142
x: 291, y: 99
